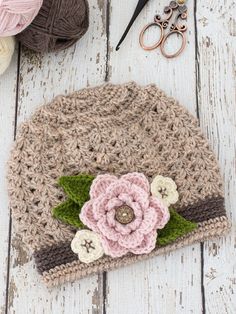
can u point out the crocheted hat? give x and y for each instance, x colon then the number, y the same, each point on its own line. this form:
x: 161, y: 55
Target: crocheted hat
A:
x: 111, y: 175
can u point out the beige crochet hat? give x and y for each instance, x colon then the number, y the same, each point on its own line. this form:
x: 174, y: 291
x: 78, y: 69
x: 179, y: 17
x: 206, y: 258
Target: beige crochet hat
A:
x: 111, y: 175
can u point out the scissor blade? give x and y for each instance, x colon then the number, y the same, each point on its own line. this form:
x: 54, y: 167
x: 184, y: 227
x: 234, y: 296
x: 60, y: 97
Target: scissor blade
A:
x: 138, y: 9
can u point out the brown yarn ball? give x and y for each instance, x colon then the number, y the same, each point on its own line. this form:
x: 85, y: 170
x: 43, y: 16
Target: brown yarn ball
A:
x: 58, y: 25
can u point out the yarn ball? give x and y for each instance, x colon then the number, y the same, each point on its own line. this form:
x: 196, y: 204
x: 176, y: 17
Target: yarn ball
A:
x: 7, y: 45
x: 58, y: 25
x: 16, y: 15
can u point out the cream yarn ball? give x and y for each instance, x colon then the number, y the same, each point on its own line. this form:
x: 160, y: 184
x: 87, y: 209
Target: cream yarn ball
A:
x: 7, y: 46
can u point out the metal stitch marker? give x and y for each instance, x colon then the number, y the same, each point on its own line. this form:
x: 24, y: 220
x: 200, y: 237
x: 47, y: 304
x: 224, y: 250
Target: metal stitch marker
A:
x: 175, y: 28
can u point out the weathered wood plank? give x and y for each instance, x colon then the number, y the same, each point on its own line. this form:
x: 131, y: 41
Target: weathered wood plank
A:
x: 8, y: 82
x: 164, y: 284
x: 41, y: 78
x: 217, y: 90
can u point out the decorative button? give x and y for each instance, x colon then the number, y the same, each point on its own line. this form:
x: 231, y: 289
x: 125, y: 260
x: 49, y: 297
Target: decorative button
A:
x: 124, y: 215
x: 163, y: 192
x: 88, y: 245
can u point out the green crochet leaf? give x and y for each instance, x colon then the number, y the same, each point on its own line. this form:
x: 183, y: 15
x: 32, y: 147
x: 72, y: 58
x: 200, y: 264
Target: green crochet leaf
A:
x: 176, y: 228
x: 68, y: 212
x: 77, y: 187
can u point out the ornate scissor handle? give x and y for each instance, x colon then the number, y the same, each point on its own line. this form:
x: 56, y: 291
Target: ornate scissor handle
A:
x: 163, y: 24
x: 142, y: 34
x: 176, y: 29
x: 158, y: 22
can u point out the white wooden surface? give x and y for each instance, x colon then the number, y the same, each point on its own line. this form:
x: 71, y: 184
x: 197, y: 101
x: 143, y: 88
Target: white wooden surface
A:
x: 197, y: 279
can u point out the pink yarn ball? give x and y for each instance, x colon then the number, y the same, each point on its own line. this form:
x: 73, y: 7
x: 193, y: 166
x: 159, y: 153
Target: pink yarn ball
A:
x: 16, y: 15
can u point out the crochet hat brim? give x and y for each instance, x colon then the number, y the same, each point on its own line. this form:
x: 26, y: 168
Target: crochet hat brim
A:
x: 58, y: 264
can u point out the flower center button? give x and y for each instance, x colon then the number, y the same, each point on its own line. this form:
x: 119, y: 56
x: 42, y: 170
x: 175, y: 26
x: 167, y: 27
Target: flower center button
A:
x: 124, y: 214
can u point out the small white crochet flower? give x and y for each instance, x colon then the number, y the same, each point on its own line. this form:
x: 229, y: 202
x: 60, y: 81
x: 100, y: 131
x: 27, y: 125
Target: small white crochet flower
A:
x: 87, y: 245
x: 165, y: 190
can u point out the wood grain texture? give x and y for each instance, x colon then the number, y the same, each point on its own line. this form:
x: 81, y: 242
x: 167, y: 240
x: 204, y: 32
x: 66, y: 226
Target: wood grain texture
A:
x: 7, y: 125
x: 197, y: 279
x: 154, y: 286
x: 217, y: 98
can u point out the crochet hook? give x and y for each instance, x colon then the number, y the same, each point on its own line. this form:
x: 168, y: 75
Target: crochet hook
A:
x: 141, y: 4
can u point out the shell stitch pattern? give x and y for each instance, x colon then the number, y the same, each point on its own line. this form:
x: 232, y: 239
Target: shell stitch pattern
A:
x: 112, y: 129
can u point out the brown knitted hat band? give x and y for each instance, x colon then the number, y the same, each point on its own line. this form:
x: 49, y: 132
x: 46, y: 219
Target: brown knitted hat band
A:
x: 111, y: 175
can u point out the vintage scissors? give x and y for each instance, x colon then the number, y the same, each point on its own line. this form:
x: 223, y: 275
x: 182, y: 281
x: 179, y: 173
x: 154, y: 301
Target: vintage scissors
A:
x: 175, y: 28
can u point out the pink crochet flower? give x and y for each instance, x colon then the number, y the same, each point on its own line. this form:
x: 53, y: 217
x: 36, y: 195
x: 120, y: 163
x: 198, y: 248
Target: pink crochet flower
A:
x: 124, y: 214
